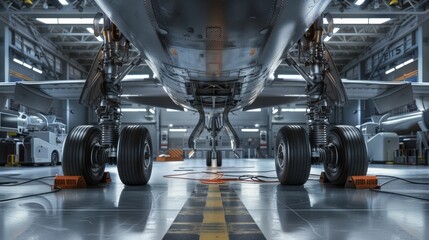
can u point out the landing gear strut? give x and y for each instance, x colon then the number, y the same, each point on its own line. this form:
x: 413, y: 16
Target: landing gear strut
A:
x: 87, y: 149
x: 342, y: 149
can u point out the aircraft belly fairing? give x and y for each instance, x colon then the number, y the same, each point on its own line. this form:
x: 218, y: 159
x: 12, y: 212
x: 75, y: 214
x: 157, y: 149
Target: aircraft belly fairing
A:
x: 197, y: 45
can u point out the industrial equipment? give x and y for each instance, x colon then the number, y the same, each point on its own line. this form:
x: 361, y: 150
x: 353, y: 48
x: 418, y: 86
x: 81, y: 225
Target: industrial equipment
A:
x: 32, y: 140
x: 400, y: 139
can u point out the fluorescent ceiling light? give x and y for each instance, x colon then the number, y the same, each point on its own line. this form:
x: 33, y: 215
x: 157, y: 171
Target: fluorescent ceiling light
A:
x: 327, y: 38
x: 133, y: 110
x: 390, y: 71
x: 409, y: 61
x: 135, y: 76
x: 340, y: 21
x: 178, y: 130
x: 99, y: 38
x: 294, y: 110
x: 37, y: 70
x: 130, y: 95
x: 378, y: 20
x: 27, y: 65
x: 170, y: 125
x: 152, y: 110
x: 76, y: 21
x: 90, y: 30
x: 399, y: 66
x: 18, y: 61
x: 254, y: 110
x: 250, y: 130
x: 257, y: 125
x: 359, y: 2
x: 63, y: 2
x: 290, y: 76
x: 172, y: 110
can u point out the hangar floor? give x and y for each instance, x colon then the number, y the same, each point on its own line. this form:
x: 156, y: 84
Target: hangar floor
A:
x: 187, y: 209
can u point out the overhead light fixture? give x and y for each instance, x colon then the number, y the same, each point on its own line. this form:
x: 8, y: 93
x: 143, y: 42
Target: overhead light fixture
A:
x: 37, y: 70
x: 172, y: 110
x: 327, y: 38
x: 170, y: 125
x: 399, y: 66
x: 359, y: 2
x: 133, y: 110
x: 250, y: 130
x: 74, y: 21
x: 294, y: 110
x: 290, y: 76
x: 357, y: 21
x: 254, y: 110
x: 135, y: 76
x: 152, y: 110
x: 91, y: 30
x: 27, y: 65
x: 390, y: 71
x: 178, y: 130
x: 257, y: 125
x: 409, y: 61
x: 18, y: 61
x: 63, y: 2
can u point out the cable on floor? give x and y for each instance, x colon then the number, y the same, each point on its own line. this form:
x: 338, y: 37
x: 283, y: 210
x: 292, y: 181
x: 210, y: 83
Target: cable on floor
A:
x: 221, y: 177
x: 393, y: 178
x: 15, y: 183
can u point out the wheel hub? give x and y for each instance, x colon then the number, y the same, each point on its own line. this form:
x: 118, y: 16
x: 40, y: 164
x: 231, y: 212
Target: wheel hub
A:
x: 98, y: 155
x: 281, y: 154
x: 146, y: 154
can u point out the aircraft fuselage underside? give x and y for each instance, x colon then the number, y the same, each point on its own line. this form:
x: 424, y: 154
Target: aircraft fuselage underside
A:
x: 215, y: 57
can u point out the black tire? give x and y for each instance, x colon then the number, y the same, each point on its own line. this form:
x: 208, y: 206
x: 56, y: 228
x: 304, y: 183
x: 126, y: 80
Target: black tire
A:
x: 54, y: 158
x: 135, y: 155
x: 219, y: 158
x: 293, y: 155
x: 80, y: 153
x: 351, y: 154
x: 209, y: 158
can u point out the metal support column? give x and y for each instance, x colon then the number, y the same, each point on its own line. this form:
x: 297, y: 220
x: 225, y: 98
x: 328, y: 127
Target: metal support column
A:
x: 423, y: 45
x: 4, y: 52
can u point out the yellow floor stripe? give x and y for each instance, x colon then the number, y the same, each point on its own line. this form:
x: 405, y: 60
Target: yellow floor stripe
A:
x: 214, y: 224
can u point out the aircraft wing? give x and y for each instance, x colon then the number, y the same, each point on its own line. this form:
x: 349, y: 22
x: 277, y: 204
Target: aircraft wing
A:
x: 386, y: 95
x: 41, y: 94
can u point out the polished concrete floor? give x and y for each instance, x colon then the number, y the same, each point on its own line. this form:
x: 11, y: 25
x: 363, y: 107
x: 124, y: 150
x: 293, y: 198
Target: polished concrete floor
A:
x: 268, y: 210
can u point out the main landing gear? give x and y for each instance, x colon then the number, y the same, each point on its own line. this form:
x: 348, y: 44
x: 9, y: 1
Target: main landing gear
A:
x: 87, y: 149
x: 342, y: 149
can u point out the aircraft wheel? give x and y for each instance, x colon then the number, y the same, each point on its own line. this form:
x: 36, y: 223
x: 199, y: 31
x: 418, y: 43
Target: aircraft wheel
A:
x: 82, y: 154
x: 209, y: 159
x: 55, y: 158
x: 350, y: 154
x: 219, y: 158
x: 135, y: 155
x: 293, y: 155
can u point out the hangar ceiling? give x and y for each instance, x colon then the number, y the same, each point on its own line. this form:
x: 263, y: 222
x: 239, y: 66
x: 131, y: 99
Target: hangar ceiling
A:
x: 350, y: 41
